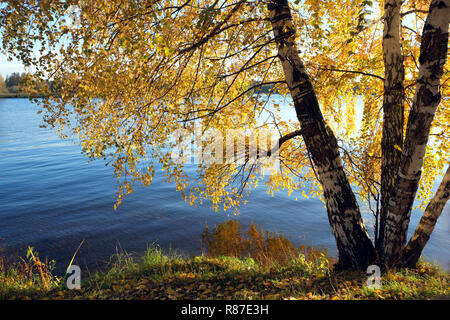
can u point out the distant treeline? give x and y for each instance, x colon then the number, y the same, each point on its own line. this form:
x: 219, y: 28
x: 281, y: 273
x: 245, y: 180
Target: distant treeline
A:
x: 23, y: 85
x: 265, y: 88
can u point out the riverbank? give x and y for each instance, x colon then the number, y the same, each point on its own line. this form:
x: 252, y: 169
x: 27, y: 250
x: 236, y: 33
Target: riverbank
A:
x: 170, y: 276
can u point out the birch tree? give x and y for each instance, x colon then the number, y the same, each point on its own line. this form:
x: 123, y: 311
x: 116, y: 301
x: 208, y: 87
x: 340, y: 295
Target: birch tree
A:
x: 366, y: 81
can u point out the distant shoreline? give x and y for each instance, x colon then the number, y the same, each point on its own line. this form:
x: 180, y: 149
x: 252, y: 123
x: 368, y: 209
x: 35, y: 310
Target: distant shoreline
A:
x: 19, y: 95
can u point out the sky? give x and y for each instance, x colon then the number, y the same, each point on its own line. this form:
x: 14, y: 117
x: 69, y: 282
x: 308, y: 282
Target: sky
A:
x: 8, y: 67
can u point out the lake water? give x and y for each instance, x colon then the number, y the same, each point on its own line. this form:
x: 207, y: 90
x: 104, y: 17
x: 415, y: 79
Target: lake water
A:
x: 51, y: 198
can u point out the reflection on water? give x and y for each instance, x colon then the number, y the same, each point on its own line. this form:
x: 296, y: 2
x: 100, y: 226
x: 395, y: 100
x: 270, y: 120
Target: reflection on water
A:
x: 51, y: 198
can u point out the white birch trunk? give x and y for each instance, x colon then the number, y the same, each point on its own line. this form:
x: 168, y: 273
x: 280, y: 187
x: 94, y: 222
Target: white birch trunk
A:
x: 353, y: 242
x: 427, y: 223
x: 433, y: 54
x: 393, y: 113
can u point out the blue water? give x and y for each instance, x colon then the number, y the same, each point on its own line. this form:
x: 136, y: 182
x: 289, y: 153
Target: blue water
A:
x: 51, y: 198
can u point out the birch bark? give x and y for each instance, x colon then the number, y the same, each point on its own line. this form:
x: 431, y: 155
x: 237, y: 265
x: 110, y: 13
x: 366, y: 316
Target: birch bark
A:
x: 433, y: 54
x: 353, y: 242
x: 393, y: 113
x: 427, y: 223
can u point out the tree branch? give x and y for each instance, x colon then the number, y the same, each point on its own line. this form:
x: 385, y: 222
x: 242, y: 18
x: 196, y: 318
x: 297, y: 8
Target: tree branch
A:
x: 283, y: 139
x: 352, y: 71
x: 413, y: 11
x: 216, y: 30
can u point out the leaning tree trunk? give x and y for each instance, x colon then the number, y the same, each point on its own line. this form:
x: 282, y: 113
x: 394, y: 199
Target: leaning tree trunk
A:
x: 393, y: 117
x: 433, y: 54
x: 426, y: 225
x: 353, y: 242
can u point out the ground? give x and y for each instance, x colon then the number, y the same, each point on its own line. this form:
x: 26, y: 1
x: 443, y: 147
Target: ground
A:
x: 159, y: 276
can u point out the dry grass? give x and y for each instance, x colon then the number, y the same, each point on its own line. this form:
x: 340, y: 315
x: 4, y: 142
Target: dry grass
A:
x: 267, y: 248
x: 29, y: 275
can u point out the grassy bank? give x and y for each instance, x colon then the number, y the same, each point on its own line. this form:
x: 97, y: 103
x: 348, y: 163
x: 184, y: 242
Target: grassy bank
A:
x: 159, y: 276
